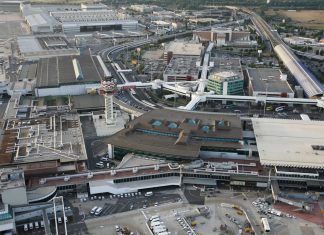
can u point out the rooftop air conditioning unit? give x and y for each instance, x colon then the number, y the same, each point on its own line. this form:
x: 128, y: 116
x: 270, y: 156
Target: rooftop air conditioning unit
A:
x: 66, y: 178
x: 113, y: 172
x: 156, y: 167
x: 135, y: 170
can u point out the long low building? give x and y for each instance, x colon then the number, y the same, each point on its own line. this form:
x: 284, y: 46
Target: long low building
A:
x: 174, y: 134
x: 93, y: 20
x: 290, y: 143
x: 67, y: 75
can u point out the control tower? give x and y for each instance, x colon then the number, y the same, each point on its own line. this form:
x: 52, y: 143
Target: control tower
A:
x: 108, y: 88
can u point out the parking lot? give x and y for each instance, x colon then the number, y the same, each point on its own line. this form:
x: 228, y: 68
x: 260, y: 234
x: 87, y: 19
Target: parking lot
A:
x: 228, y: 212
x: 112, y: 204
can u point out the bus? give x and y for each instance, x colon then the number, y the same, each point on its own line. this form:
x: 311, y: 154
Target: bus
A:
x: 265, y: 225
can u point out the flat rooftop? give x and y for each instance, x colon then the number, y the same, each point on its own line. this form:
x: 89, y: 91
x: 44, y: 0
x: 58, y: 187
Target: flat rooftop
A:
x: 182, y: 66
x: 184, y: 48
x: 87, y: 16
x: 44, y: 46
x: 56, y: 71
x: 226, y: 64
x: 11, y: 178
x: 179, y: 134
x: 290, y: 143
x: 38, y: 140
x: 268, y: 79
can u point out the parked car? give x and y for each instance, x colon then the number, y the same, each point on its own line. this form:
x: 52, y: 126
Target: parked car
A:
x: 100, y: 165
x: 98, y: 211
x: 93, y: 210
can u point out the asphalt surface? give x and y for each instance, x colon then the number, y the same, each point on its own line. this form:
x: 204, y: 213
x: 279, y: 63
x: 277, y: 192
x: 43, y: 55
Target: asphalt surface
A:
x: 95, y: 145
x: 114, y: 206
x: 111, y: 206
x: 193, y: 196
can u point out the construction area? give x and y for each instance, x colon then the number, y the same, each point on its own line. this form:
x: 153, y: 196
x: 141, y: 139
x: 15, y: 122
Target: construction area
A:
x: 229, y: 213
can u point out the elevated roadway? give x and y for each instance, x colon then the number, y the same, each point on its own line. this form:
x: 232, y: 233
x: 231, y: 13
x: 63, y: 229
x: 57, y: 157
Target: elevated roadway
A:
x: 118, y: 180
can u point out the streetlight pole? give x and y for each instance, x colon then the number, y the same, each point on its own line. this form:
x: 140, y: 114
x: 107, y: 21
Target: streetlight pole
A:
x: 265, y: 102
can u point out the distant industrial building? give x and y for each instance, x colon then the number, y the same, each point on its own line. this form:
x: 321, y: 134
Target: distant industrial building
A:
x: 182, y: 68
x: 67, y: 75
x: 38, y: 20
x: 224, y: 37
x: 290, y: 143
x: 178, y: 134
x: 182, y: 48
x: 300, y: 41
x: 96, y: 6
x: 268, y: 82
x: 93, y: 20
x: 44, y: 46
x: 144, y: 8
x: 225, y: 83
x: 82, y: 19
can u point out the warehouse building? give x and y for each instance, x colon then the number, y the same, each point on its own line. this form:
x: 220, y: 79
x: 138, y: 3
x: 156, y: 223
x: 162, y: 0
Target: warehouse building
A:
x: 67, y: 75
x: 176, y: 134
x: 269, y: 82
x: 50, y: 19
x: 225, y: 83
x: 93, y: 20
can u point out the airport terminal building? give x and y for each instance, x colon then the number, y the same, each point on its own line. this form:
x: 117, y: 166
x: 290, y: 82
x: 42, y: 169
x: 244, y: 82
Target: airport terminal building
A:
x: 175, y: 134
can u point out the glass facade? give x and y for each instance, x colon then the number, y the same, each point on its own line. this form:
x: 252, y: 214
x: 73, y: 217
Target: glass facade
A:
x: 234, y: 85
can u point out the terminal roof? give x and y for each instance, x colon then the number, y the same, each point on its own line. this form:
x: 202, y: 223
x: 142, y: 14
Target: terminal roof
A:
x: 290, y: 143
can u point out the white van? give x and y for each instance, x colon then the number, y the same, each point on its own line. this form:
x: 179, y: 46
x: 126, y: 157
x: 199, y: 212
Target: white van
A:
x: 98, y: 211
x: 42, y: 224
x: 31, y: 226
x: 36, y: 225
x: 25, y: 227
x: 93, y: 210
x: 59, y: 220
x: 148, y: 194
